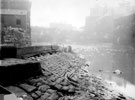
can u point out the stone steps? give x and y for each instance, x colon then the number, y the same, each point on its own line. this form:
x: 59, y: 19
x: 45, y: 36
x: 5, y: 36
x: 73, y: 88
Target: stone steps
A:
x: 15, y: 70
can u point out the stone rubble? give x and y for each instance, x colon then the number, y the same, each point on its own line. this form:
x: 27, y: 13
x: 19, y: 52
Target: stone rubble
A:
x: 65, y: 78
x: 15, y: 37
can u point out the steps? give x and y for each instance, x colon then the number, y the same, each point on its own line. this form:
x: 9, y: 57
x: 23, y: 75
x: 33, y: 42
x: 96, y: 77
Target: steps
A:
x: 16, y: 70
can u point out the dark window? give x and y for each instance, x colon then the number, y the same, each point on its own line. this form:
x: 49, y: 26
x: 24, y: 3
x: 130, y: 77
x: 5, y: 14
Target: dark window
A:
x: 2, y: 20
x: 18, y: 22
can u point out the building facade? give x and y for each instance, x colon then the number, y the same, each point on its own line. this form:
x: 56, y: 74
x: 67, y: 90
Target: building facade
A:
x: 16, y: 13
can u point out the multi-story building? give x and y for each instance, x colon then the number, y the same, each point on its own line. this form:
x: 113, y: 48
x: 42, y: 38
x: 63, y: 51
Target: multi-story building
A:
x: 16, y: 13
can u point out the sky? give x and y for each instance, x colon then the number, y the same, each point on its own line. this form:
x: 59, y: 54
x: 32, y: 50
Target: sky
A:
x: 74, y: 12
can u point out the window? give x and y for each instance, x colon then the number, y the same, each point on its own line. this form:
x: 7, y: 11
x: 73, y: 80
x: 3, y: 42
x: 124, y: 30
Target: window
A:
x: 2, y: 19
x: 18, y: 22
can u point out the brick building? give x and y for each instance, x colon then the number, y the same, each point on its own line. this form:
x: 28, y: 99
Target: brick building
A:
x: 16, y: 13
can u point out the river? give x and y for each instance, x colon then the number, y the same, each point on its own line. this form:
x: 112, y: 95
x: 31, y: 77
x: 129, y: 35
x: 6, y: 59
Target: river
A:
x: 104, y: 59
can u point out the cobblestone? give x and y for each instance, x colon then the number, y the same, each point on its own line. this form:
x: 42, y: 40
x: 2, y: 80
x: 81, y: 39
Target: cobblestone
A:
x: 27, y: 87
x: 68, y: 85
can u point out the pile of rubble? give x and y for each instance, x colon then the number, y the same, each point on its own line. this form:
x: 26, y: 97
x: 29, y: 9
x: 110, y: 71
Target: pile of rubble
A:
x: 65, y: 77
x: 15, y: 37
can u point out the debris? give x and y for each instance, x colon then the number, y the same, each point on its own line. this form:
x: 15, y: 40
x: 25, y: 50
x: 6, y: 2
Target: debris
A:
x: 64, y: 79
x: 118, y: 72
x: 100, y: 70
x: 15, y: 37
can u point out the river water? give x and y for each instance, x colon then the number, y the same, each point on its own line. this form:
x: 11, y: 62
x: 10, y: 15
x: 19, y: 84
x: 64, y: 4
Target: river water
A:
x: 104, y: 59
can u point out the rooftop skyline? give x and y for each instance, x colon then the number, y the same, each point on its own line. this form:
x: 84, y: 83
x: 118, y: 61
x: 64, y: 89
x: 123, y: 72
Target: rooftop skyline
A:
x: 74, y: 12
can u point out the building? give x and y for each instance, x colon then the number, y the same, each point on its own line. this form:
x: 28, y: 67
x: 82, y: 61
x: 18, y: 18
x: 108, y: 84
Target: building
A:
x: 16, y: 13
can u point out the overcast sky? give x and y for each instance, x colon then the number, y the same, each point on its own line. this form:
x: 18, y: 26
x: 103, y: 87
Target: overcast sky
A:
x: 44, y: 12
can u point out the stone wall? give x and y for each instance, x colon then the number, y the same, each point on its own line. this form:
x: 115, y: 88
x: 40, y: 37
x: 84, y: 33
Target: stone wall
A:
x: 15, y: 37
x: 31, y: 51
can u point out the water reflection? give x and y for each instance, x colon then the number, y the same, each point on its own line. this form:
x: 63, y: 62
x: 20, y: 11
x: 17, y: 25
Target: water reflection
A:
x: 109, y: 58
x: 123, y: 86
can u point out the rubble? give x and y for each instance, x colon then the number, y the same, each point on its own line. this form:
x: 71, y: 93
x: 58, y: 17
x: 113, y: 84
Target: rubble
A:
x: 15, y: 37
x: 64, y: 78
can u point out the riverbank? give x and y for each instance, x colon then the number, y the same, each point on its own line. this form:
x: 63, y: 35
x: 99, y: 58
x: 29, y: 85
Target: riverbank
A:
x: 64, y: 77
